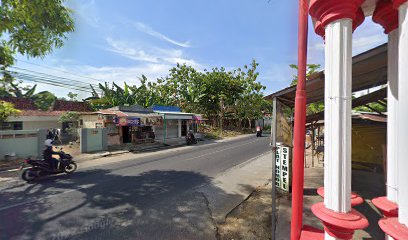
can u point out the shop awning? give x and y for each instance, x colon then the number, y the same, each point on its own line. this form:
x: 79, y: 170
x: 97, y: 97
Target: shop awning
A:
x: 144, y: 115
x: 176, y: 115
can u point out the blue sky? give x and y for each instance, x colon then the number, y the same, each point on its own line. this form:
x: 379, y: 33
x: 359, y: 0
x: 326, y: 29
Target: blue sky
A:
x: 119, y: 40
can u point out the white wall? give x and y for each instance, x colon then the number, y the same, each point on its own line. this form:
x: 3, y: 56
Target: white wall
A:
x: 88, y: 121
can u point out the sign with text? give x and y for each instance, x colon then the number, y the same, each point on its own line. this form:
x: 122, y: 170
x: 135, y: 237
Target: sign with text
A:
x: 282, y: 163
x: 278, y: 168
x: 133, y: 121
x: 128, y: 121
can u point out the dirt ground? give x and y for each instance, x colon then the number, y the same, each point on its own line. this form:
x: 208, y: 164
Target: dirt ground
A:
x: 251, y: 219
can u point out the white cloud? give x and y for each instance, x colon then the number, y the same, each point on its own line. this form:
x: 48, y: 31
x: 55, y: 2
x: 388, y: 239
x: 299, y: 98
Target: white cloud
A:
x: 125, y: 50
x: 148, y: 30
x: 149, y: 54
x: 367, y: 36
x: 88, y: 12
x: 88, y: 74
x: 125, y: 74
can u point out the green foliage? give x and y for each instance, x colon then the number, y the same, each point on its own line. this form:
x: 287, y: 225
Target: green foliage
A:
x: 215, y: 93
x: 6, y: 110
x: 44, y: 100
x: 72, y: 96
x: 372, y: 107
x: 311, y: 69
x: 22, y: 91
x: 315, y: 108
x: 69, y: 117
x: 33, y: 28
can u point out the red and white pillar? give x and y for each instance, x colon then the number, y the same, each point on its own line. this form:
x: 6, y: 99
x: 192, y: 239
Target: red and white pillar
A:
x: 339, y: 18
x: 395, y: 205
x: 387, y: 17
x: 402, y: 6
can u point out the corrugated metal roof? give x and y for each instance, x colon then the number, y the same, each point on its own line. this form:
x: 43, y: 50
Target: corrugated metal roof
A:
x: 369, y: 70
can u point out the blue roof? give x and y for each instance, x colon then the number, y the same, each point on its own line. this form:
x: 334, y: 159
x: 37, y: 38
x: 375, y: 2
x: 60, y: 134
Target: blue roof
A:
x: 166, y: 108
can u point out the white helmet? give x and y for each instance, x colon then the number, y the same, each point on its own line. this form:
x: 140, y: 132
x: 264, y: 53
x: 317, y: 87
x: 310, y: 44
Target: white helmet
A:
x: 48, y: 142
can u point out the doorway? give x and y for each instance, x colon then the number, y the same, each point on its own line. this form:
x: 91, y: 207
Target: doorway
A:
x: 183, y: 128
x: 126, y: 134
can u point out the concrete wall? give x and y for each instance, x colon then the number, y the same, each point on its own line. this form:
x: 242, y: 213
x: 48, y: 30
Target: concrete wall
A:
x: 173, y: 130
x: 41, y: 125
x: 22, y: 143
x: 93, y: 139
x: 263, y: 122
x: 367, y: 142
x: 89, y: 121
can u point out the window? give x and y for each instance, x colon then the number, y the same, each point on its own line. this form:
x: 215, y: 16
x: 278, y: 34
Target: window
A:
x: 11, y: 126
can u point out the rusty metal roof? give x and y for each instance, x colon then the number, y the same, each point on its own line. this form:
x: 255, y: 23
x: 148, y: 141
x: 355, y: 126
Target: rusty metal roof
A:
x: 369, y: 70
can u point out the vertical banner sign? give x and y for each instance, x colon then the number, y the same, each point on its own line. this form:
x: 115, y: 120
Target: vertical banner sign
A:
x: 284, y: 172
x: 282, y: 163
x: 278, y: 169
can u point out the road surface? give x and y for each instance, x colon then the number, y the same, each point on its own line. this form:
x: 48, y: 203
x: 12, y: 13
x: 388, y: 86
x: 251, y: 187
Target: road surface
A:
x: 146, y: 197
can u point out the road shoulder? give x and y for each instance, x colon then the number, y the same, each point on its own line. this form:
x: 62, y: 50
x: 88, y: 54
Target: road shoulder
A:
x: 231, y: 188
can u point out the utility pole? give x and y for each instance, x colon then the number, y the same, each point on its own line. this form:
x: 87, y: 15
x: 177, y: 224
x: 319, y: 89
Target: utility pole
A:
x: 165, y: 128
x: 221, y: 113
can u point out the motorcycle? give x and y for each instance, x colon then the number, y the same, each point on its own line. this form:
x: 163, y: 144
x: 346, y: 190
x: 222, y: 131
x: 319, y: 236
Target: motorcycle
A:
x: 40, y: 168
x: 258, y: 132
x: 190, y: 139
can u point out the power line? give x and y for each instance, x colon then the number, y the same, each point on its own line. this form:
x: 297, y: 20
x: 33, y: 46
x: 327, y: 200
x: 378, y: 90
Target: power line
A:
x: 48, y: 75
x: 56, y: 69
x: 53, y: 81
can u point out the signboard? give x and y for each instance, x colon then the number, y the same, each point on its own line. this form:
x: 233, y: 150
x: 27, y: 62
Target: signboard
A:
x: 278, y: 168
x: 282, y: 163
x: 128, y: 121
x: 133, y: 121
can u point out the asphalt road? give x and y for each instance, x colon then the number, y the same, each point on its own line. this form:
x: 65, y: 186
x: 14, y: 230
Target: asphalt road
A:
x: 146, y: 197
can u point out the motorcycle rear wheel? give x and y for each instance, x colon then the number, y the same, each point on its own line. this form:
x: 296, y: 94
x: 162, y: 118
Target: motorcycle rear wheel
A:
x: 28, y: 175
x: 70, y: 168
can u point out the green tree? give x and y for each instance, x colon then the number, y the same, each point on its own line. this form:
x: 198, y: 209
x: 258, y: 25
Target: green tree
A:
x: 69, y: 117
x: 6, y: 110
x: 216, y: 93
x: 72, y: 96
x: 311, y: 69
x: 44, y: 100
x: 31, y: 28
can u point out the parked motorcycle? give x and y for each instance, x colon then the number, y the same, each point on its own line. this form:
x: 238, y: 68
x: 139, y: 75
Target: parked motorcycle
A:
x: 40, y: 168
x: 190, y: 139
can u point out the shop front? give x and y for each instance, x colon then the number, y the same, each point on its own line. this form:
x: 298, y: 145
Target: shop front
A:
x: 136, y: 129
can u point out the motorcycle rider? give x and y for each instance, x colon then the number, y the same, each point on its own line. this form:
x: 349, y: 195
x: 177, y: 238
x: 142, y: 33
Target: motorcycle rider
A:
x: 190, y: 138
x: 47, y: 154
x: 258, y: 131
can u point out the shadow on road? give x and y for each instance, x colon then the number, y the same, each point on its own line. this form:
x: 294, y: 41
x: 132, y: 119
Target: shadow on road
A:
x: 98, y: 204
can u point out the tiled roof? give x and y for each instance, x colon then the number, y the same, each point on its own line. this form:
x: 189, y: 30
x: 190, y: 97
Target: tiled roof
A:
x: 38, y: 113
x: 59, y: 105
x: 20, y: 103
